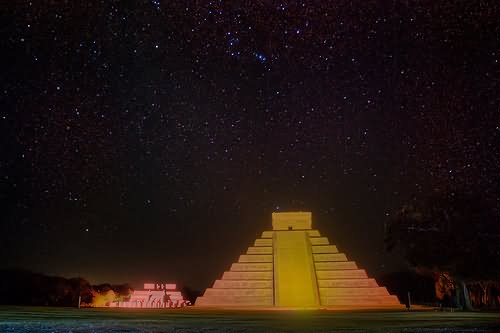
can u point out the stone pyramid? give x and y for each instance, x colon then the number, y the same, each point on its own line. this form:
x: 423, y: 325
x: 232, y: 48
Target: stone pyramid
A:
x: 292, y: 266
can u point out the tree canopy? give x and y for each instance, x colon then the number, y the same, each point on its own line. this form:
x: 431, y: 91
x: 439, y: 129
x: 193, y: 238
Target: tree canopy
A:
x: 457, y: 233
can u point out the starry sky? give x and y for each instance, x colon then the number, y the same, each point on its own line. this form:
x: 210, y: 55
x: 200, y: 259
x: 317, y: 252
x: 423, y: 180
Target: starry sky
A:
x: 152, y: 140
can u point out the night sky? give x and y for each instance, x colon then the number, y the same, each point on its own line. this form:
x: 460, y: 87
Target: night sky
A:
x: 151, y: 140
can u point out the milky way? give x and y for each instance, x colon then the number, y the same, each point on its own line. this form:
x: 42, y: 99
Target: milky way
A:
x: 153, y: 139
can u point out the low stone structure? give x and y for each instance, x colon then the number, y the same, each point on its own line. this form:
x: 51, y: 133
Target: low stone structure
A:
x: 154, y: 295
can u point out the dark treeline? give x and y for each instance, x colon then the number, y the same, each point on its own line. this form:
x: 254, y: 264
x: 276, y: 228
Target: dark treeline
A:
x: 420, y: 287
x: 22, y: 287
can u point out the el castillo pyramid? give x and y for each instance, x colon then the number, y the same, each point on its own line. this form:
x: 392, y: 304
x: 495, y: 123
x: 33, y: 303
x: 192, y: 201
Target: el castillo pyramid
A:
x: 292, y: 266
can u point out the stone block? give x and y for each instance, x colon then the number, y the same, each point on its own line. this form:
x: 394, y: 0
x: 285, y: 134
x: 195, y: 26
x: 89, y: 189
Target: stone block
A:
x: 353, y: 291
x: 342, y: 274
x: 260, y: 250
x: 335, y: 265
x: 347, y: 283
x: 361, y: 301
x: 313, y: 233
x: 256, y: 258
x: 234, y: 301
x: 239, y: 292
x: 243, y: 284
x: 263, y: 242
x: 247, y: 276
x: 267, y: 234
x: 325, y: 257
x: 324, y: 249
x: 319, y: 240
x: 251, y: 267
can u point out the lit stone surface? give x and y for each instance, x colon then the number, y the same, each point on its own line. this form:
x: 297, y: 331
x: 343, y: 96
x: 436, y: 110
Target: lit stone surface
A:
x: 244, y: 284
x: 247, y: 276
x: 292, y: 221
x: 294, y: 274
x: 347, y: 283
x: 319, y: 241
x: 325, y: 249
x: 330, y: 257
x: 251, y: 267
x: 264, y: 242
x: 234, y: 301
x: 342, y: 274
x: 267, y: 234
x: 353, y: 291
x: 336, y: 265
x: 260, y: 250
x: 238, y: 292
x: 256, y: 258
x: 313, y: 233
x: 156, y: 296
x: 294, y: 267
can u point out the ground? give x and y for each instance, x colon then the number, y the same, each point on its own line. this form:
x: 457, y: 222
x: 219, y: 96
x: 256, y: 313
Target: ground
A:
x: 59, y: 320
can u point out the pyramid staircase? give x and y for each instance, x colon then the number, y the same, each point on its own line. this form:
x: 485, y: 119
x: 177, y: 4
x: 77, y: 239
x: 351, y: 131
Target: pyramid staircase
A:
x: 293, y: 266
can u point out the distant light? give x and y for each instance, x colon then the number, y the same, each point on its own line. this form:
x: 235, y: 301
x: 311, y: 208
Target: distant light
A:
x: 260, y: 57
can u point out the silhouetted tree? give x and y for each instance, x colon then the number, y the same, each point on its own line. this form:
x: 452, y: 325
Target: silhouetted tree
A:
x: 456, y: 233
x: 190, y: 294
x: 22, y: 287
x: 421, y: 287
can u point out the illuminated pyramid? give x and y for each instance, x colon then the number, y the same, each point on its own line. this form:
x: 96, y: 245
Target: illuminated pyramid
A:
x: 293, y: 266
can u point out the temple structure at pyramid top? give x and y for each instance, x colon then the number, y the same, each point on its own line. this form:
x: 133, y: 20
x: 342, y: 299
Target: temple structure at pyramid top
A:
x: 293, y: 266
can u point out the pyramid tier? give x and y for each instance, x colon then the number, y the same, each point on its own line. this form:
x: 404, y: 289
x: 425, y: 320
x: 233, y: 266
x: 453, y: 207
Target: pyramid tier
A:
x: 256, y: 258
x: 243, y: 284
x: 353, y: 291
x: 324, y: 249
x: 236, y: 301
x: 342, y: 274
x: 260, y: 250
x: 335, y: 265
x: 347, y: 283
x: 252, y: 267
x: 316, y: 241
x: 329, y: 257
x: 263, y: 242
x: 267, y: 292
x: 247, y: 275
x: 361, y: 301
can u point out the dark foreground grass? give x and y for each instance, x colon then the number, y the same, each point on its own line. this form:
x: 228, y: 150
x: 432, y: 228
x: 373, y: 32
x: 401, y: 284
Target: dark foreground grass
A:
x: 58, y: 320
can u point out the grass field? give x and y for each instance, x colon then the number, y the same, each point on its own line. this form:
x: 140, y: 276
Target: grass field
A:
x: 58, y: 320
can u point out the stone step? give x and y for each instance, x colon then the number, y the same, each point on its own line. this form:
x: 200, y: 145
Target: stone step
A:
x: 247, y: 276
x: 329, y: 257
x: 360, y: 301
x: 267, y: 234
x: 251, y: 267
x: 260, y: 250
x: 255, y: 258
x: 319, y: 241
x: 324, y: 249
x: 335, y: 265
x: 244, y: 284
x: 347, y: 283
x: 353, y: 291
x: 342, y: 274
x: 263, y: 242
x: 239, y: 292
x: 234, y: 301
x: 313, y: 233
